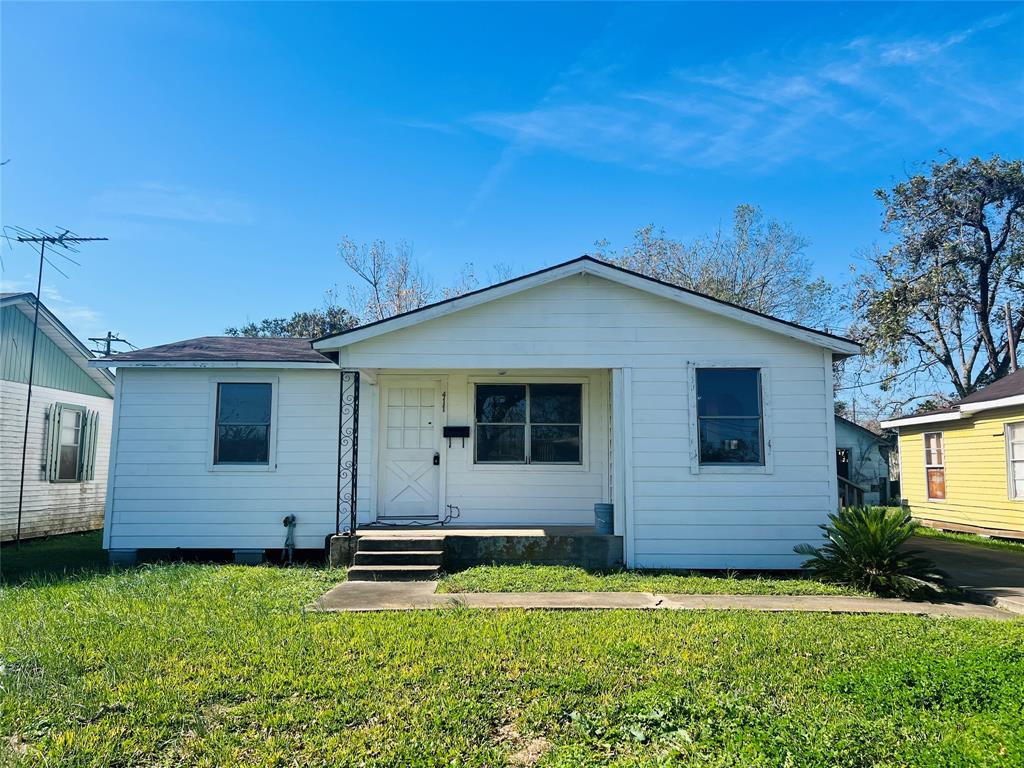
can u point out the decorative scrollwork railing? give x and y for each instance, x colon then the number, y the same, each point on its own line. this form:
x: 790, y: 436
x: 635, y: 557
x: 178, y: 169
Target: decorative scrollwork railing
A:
x: 348, y: 450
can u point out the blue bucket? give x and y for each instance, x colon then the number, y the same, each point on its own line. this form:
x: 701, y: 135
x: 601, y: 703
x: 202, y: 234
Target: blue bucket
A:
x: 604, y: 519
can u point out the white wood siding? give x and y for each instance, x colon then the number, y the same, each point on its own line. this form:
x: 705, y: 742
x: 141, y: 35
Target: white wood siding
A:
x: 48, y: 508
x: 164, y: 493
x: 680, y: 519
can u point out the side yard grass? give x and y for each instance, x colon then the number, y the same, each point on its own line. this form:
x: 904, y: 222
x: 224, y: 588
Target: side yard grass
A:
x: 1005, y: 545
x: 203, y: 665
x: 552, y: 578
x: 55, y: 556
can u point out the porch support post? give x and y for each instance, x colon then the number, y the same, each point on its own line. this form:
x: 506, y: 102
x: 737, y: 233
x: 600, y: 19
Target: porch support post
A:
x: 348, y: 451
x: 622, y: 458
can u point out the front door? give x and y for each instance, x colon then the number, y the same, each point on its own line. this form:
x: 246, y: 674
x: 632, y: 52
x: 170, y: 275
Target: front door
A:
x: 410, y: 471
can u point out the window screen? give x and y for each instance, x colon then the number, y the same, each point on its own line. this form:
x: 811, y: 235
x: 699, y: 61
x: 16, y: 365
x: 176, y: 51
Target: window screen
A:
x: 243, y: 424
x: 729, y: 418
x: 935, y: 465
x: 529, y: 423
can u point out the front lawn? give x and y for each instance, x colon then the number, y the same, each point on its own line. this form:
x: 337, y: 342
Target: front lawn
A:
x: 207, y: 665
x: 554, y: 578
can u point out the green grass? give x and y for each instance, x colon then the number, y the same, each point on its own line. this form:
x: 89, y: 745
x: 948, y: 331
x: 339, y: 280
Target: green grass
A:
x: 206, y: 665
x: 970, y: 538
x: 552, y: 578
x: 56, y: 556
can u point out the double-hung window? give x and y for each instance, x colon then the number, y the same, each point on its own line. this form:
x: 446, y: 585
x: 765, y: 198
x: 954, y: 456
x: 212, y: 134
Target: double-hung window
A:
x: 529, y: 423
x: 935, y: 465
x: 242, y: 430
x: 69, y: 453
x: 730, y: 422
x: 1015, y: 460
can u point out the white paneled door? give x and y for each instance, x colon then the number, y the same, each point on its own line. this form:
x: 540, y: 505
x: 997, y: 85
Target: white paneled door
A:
x: 410, y: 450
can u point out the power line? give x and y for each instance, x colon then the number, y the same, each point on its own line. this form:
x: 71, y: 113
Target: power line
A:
x: 107, y: 341
x: 60, y: 244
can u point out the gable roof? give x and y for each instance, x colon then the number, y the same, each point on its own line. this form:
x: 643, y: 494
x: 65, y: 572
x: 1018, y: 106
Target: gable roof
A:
x: 222, y: 351
x: 61, y: 335
x: 1002, y: 393
x: 854, y: 425
x: 589, y: 266
x: 1011, y: 385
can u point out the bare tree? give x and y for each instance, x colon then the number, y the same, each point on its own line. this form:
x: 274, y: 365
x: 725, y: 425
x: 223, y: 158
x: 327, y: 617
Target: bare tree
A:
x: 759, y: 264
x: 394, y: 283
x: 467, y: 281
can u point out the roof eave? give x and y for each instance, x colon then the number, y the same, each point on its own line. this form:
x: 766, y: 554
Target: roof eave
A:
x: 988, y: 405
x: 928, y: 418
x: 307, y: 364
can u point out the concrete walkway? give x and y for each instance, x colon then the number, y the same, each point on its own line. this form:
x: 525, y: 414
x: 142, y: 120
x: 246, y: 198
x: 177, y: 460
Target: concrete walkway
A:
x: 995, y: 576
x: 360, y: 596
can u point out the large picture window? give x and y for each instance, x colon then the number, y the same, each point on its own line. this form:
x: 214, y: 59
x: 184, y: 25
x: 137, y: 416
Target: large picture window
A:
x: 529, y: 423
x: 243, y: 423
x: 730, y: 422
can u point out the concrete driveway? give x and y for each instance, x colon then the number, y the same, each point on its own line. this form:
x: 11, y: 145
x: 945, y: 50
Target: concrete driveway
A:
x: 996, y: 575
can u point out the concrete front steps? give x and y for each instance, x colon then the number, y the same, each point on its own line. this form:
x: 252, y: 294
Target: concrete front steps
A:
x: 391, y: 558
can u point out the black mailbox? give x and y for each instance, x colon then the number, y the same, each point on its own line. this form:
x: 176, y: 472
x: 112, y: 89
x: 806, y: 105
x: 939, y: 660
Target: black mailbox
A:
x: 451, y: 432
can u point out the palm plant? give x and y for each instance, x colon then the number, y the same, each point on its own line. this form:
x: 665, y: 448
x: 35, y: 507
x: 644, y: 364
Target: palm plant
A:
x: 865, y: 550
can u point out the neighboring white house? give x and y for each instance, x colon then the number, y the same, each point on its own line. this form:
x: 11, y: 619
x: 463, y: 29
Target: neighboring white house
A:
x: 68, y: 428
x: 863, y: 464
x: 709, y: 427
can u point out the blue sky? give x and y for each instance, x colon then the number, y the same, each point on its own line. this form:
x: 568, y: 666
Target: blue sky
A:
x: 225, y: 148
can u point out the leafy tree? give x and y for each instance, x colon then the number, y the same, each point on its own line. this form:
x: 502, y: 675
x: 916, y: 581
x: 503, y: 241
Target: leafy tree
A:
x: 758, y: 264
x: 934, y: 300
x: 307, y: 325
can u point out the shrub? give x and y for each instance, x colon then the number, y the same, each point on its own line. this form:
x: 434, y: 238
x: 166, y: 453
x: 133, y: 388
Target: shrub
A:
x: 865, y: 550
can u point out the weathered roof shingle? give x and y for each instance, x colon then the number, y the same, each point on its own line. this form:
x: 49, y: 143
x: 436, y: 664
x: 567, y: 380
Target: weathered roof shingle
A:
x: 226, y: 349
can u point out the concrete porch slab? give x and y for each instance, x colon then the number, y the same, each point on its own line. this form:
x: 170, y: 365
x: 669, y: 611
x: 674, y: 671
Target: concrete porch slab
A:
x: 464, y: 547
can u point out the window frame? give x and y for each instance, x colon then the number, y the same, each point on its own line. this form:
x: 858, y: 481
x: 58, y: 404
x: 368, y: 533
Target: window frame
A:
x: 81, y: 411
x: 211, y: 430
x: 1011, y: 489
x: 927, y: 466
x: 581, y: 466
x: 767, y: 465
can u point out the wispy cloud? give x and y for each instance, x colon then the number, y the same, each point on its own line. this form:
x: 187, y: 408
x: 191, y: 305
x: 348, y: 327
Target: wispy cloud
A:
x: 70, y: 312
x: 81, y: 318
x: 433, y: 126
x: 175, y: 203
x: 835, y: 101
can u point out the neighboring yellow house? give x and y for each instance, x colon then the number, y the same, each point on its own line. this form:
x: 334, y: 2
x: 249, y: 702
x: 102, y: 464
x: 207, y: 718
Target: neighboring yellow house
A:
x: 962, y: 467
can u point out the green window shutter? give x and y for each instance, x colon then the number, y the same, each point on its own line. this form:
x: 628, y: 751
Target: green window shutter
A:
x: 88, y: 449
x: 52, y: 447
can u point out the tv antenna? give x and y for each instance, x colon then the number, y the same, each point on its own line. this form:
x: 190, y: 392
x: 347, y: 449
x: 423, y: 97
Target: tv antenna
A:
x: 63, y: 244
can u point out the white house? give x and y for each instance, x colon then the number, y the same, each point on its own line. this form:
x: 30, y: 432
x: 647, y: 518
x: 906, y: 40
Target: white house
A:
x: 708, y: 426
x: 863, y: 464
x: 69, y: 424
